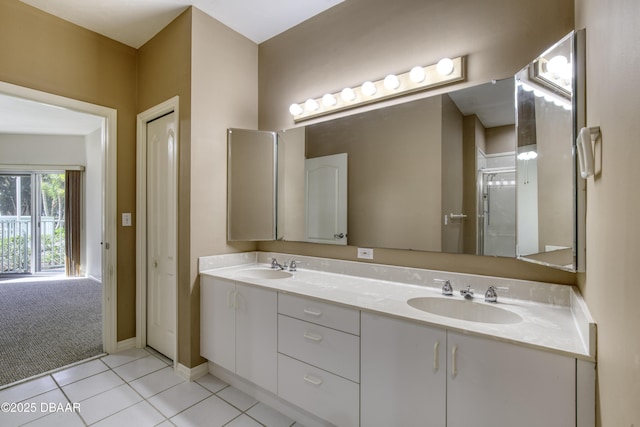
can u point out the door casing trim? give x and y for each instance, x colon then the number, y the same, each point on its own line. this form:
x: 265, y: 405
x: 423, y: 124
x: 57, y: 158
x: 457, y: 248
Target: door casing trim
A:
x: 169, y: 106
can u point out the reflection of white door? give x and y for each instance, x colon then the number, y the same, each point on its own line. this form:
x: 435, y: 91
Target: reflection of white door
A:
x: 326, y: 199
x: 161, y: 235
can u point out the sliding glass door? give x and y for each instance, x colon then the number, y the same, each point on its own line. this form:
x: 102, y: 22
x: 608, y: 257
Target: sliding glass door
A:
x: 32, y: 222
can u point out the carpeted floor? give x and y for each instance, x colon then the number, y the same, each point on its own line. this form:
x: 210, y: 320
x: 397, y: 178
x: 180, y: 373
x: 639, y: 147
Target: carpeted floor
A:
x: 48, y: 324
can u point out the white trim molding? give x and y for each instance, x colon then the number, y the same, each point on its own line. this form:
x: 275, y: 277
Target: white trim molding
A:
x: 109, y: 182
x: 168, y: 106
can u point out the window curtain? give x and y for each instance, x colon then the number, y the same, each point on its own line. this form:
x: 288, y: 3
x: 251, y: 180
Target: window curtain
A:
x: 73, y: 191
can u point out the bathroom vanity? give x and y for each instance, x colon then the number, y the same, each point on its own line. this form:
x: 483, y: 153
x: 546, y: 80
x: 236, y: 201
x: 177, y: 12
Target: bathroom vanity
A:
x: 354, y: 344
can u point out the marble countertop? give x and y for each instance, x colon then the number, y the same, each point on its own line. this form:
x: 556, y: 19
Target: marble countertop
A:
x: 546, y: 326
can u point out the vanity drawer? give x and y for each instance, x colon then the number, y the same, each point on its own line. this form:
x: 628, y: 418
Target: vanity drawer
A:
x: 334, y: 351
x: 328, y: 396
x: 330, y: 315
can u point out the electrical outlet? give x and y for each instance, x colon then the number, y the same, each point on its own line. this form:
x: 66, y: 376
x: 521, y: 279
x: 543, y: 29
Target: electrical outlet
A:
x: 365, y: 253
x: 126, y: 219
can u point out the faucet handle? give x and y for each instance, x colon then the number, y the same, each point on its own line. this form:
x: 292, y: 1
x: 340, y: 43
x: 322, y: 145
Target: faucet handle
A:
x: 293, y: 265
x: 491, y: 295
x: 447, y: 289
x: 274, y: 263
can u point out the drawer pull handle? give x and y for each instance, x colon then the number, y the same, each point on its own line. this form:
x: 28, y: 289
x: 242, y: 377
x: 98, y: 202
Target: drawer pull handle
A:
x: 436, y: 362
x: 454, y: 361
x: 312, y: 312
x: 312, y: 379
x: 313, y: 337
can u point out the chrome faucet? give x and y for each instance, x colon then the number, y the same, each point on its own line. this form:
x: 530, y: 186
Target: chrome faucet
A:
x: 491, y: 295
x: 467, y: 293
x: 293, y: 265
x: 447, y: 289
x: 275, y: 265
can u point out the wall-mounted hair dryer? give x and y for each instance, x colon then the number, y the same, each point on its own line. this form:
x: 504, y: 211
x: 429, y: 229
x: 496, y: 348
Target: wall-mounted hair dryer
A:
x: 586, y: 137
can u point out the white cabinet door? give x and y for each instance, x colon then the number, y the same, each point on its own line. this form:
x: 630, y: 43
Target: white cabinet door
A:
x: 217, y: 321
x: 403, y: 373
x: 257, y: 335
x: 238, y: 329
x: 496, y: 384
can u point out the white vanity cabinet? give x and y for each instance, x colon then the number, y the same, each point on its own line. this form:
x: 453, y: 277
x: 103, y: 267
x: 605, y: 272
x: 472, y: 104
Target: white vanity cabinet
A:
x: 238, y: 329
x: 407, y: 379
x: 496, y: 384
x: 403, y: 373
x: 319, y: 358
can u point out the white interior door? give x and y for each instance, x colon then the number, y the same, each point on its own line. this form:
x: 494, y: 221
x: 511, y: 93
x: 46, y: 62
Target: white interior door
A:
x: 326, y: 199
x: 161, y: 235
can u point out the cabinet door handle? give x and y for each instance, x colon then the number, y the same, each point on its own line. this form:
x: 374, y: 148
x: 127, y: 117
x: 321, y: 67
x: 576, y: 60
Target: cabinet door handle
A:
x: 312, y: 312
x: 230, y: 302
x: 312, y: 379
x: 313, y: 337
x: 436, y: 354
x: 454, y: 361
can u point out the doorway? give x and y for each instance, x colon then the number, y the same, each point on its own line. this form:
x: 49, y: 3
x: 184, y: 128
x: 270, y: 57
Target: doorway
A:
x: 156, y: 242
x: 56, y: 112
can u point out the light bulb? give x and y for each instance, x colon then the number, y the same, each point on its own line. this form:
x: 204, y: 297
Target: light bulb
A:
x: 391, y: 82
x: 445, y: 66
x: 329, y: 100
x: 347, y: 94
x: 311, y: 105
x: 417, y: 74
x: 295, y: 109
x: 368, y: 88
x: 556, y: 64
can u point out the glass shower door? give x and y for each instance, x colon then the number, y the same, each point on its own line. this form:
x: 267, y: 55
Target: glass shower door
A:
x: 497, y: 208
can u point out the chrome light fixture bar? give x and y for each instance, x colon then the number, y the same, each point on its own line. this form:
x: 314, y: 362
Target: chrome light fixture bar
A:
x: 446, y: 71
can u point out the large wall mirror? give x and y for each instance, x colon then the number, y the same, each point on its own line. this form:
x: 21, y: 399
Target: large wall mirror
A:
x: 454, y: 173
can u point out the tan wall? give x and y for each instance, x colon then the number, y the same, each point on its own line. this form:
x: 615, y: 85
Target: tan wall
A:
x: 395, y: 159
x: 42, y: 52
x: 214, y: 71
x: 452, y: 177
x: 501, y: 139
x: 555, y: 172
x: 612, y: 286
x: 224, y: 94
x: 371, y: 38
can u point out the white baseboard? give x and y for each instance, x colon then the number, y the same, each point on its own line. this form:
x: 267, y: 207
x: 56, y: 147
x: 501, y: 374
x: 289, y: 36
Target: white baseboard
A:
x: 299, y: 415
x: 126, y: 344
x: 194, y: 373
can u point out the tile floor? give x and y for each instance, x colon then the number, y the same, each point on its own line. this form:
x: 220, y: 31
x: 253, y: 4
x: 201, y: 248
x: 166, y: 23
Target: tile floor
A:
x: 133, y: 388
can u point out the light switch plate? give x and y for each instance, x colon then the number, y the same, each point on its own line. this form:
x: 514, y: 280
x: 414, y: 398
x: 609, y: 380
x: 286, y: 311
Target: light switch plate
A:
x: 365, y: 253
x: 126, y: 219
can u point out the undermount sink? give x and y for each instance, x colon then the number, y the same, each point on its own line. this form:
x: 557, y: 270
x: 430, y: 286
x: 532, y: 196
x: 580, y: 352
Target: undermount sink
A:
x: 265, y: 273
x: 464, y: 310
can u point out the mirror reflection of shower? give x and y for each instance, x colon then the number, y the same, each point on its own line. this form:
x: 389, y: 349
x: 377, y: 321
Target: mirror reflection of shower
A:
x: 496, y: 197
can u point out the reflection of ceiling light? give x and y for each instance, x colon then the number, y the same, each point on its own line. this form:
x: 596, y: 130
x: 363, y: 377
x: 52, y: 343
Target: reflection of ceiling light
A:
x: 418, y: 78
x: 527, y: 155
x: 557, y: 64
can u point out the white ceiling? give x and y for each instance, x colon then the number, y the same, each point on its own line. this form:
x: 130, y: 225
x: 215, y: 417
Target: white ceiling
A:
x: 22, y: 116
x: 134, y: 22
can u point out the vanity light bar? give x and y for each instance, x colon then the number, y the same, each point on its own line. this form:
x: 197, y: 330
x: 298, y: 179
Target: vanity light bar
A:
x: 446, y: 71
